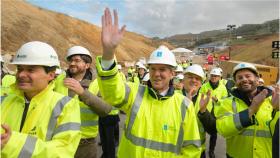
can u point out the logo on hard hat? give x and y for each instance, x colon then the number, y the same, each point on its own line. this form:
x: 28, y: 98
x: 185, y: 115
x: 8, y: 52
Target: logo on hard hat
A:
x: 242, y: 65
x: 54, y: 57
x: 21, y: 56
x: 159, y: 54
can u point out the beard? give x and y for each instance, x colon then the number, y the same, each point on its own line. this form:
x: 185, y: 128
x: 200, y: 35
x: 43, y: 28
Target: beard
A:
x: 75, y: 70
x: 248, y: 87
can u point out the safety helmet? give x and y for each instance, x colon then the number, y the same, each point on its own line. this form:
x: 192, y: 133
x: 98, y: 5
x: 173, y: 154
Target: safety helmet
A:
x: 119, y: 67
x: 36, y: 53
x: 241, y: 66
x: 162, y: 55
x: 78, y: 50
x: 179, y: 68
x: 142, y: 60
x: 195, y: 69
x: 138, y: 63
x: 58, y: 71
x: 180, y: 76
x: 146, y: 77
x: 215, y: 71
x: 142, y: 66
x: 261, y: 80
x: 220, y: 69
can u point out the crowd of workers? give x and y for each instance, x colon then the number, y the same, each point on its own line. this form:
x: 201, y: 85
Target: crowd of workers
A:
x: 46, y: 112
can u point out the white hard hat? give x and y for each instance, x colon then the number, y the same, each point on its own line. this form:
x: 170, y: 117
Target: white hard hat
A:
x: 142, y: 66
x: 119, y: 67
x: 180, y: 76
x: 220, y: 69
x: 36, y: 53
x: 58, y: 71
x: 244, y: 66
x: 179, y: 68
x: 215, y: 71
x: 162, y: 55
x: 195, y: 69
x: 138, y: 63
x: 142, y: 60
x: 146, y: 77
x: 78, y: 50
x: 261, y: 80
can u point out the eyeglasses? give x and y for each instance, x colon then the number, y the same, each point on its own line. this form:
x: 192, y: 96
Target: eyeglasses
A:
x: 75, y: 61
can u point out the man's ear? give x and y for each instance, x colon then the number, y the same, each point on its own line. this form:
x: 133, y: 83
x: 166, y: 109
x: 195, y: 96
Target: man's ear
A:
x: 51, y: 75
x: 87, y: 65
x: 173, y: 72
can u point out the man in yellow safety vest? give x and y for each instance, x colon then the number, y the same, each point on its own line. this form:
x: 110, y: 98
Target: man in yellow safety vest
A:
x: 160, y: 123
x: 35, y: 120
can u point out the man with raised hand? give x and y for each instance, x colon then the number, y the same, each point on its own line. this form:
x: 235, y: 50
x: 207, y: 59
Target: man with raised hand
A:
x: 160, y: 123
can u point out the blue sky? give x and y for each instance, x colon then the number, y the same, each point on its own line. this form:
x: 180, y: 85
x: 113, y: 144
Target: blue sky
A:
x: 164, y: 18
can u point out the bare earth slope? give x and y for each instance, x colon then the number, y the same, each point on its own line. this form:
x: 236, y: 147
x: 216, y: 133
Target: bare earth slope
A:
x: 22, y: 22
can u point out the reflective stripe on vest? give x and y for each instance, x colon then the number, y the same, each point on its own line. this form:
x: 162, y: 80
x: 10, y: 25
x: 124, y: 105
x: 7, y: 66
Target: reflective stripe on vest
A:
x: 89, y: 123
x: 74, y: 126
x: 127, y: 91
x: 184, y: 107
x: 55, y: 114
x: 234, y: 108
x: 84, y: 110
x: 193, y: 142
x: 164, y: 147
x: 28, y: 147
x: 259, y: 133
x: 236, y: 117
x: 263, y: 133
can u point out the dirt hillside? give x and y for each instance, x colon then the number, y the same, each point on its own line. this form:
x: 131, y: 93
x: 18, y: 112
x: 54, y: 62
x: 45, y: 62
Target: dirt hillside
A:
x: 260, y: 51
x: 22, y: 22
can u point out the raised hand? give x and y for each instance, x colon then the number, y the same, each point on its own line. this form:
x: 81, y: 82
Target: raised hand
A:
x: 257, y: 101
x: 204, y: 101
x: 74, y: 85
x: 111, y: 35
x: 275, y: 97
x: 6, y: 135
x: 191, y: 93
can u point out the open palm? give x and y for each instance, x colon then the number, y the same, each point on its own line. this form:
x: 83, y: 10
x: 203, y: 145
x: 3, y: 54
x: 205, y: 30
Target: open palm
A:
x: 275, y: 97
x: 204, y: 101
x: 111, y: 35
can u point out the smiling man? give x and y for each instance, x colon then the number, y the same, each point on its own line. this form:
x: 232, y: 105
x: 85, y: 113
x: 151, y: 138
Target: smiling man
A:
x: 36, y: 121
x: 243, y: 119
x: 79, y: 82
x: 160, y: 122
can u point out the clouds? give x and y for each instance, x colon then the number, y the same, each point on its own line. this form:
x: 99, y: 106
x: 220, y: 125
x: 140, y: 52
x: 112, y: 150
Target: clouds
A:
x: 165, y: 18
x: 168, y: 17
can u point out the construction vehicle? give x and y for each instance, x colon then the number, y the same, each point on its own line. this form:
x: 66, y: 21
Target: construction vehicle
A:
x: 269, y: 74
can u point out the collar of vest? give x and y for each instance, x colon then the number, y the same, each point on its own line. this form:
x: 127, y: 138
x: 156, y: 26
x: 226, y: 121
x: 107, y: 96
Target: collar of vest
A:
x: 214, y: 85
x: 141, y: 78
x: 157, y: 96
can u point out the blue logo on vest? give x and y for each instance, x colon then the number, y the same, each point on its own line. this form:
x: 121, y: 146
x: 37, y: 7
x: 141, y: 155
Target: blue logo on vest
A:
x: 165, y: 127
x: 159, y: 54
